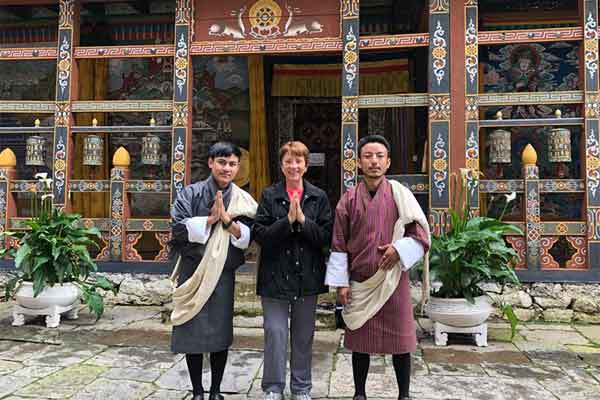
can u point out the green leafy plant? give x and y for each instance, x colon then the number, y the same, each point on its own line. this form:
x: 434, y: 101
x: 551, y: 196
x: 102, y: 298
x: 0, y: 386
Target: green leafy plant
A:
x: 472, y: 251
x: 54, y: 250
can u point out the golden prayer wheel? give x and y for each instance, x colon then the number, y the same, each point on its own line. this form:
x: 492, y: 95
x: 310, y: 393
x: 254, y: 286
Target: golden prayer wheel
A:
x: 93, y: 150
x: 559, y: 145
x: 500, y: 147
x: 35, y: 154
x: 151, y: 150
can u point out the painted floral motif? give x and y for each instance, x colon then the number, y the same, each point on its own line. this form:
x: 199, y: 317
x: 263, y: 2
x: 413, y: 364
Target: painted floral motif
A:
x: 472, y: 163
x: 66, y: 13
x: 350, y: 57
x: 593, y: 163
x: 350, y: 109
x: 178, y: 165
x: 471, y: 108
x: 349, y: 163
x: 471, y: 51
x: 591, y: 45
x: 439, y: 108
x: 439, y: 53
x: 579, y: 259
x: 440, y: 165
x: 116, y: 222
x: 180, y: 114
x: 181, y: 64
x: 64, y: 65
x: 592, y: 106
x: 593, y: 223
x: 184, y: 12
x: 350, y: 8
x: 60, y: 164
x: 439, y: 5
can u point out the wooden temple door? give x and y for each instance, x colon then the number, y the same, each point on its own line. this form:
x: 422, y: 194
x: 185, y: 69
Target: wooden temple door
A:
x: 317, y: 125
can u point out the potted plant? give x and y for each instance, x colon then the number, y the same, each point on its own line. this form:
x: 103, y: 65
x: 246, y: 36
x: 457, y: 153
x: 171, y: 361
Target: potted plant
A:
x: 53, y: 267
x: 470, y: 253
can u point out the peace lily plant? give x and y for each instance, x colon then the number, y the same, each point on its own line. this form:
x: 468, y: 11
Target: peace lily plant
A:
x: 54, y: 250
x: 473, y: 250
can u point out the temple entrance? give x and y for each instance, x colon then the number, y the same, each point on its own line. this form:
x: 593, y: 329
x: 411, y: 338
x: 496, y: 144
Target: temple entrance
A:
x: 316, y: 123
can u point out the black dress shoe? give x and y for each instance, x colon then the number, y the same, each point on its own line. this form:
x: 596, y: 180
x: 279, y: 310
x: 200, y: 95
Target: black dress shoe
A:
x: 359, y: 397
x: 216, y: 396
x: 198, y: 397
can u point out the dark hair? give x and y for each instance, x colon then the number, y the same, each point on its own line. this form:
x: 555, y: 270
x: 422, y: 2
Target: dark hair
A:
x: 373, y: 139
x: 224, y: 149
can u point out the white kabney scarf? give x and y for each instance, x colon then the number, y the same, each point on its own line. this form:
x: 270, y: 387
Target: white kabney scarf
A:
x: 368, y: 297
x: 192, y: 295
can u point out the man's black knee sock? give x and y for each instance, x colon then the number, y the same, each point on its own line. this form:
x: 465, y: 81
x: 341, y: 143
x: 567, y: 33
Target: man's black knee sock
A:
x: 360, y: 370
x: 194, y: 364
x: 402, y: 369
x: 217, y: 369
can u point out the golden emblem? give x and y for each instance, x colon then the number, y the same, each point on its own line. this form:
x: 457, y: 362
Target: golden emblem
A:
x: 265, y: 14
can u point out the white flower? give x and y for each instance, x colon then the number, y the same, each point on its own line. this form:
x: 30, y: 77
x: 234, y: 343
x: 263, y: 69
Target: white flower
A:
x: 43, y: 177
x: 510, y: 197
x: 49, y: 195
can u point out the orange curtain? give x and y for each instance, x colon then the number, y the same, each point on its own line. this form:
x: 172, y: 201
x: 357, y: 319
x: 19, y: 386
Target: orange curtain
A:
x: 324, y: 80
x: 259, y: 145
x: 92, y: 86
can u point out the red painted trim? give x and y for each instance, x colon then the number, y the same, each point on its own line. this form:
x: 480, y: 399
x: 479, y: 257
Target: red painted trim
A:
x: 135, y: 51
x: 458, y: 85
x: 530, y: 35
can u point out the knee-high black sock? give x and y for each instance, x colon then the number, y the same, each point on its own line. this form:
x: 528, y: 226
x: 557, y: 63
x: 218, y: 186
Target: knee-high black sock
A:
x: 360, y: 370
x: 402, y: 369
x: 194, y: 364
x: 217, y: 369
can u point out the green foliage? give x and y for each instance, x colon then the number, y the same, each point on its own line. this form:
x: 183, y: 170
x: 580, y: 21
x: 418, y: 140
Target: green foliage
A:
x: 54, y: 250
x: 472, y: 252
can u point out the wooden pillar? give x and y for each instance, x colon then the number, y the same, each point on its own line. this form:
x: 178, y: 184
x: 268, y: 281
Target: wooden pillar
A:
x: 533, y: 227
x: 592, y: 136
x: 8, y: 207
x: 350, y: 53
x: 471, y: 103
x: 66, y: 76
x: 439, y: 112
x: 119, y: 204
x: 458, y: 86
x: 181, y: 146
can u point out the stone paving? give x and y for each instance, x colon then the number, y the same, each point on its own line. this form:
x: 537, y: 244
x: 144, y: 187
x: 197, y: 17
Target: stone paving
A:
x: 126, y: 355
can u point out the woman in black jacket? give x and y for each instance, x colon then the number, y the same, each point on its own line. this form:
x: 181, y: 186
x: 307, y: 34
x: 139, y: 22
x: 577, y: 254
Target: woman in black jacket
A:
x: 293, y: 226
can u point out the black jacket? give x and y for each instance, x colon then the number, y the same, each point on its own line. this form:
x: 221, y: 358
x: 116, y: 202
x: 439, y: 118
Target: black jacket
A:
x: 292, y: 258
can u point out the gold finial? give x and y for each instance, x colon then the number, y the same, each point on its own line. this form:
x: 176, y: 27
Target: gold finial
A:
x: 37, y: 123
x: 121, y: 158
x: 7, y: 158
x: 499, y: 115
x: 152, y: 122
x: 558, y: 113
x: 529, y: 155
x: 94, y: 122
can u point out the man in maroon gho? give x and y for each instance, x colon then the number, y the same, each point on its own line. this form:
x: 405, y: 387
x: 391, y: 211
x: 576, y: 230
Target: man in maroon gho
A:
x: 379, y: 233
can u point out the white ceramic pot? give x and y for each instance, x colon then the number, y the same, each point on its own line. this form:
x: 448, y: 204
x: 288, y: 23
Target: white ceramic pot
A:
x: 459, y: 312
x: 58, y: 295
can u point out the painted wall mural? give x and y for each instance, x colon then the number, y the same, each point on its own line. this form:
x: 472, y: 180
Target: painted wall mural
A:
x: 140, y: 79
x: 221, y: 107
x: 27, y: 80
x: 531, y: 67
x: 266, y: 19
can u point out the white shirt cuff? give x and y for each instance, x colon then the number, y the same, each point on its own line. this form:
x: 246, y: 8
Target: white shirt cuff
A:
x: 198, y: 229
x: 337, y: 270
x: 244, y: 240
x: 409, y: 250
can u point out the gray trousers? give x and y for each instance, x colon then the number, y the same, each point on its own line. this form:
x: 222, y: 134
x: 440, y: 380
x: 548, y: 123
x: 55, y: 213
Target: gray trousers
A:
x: 275, y: 314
